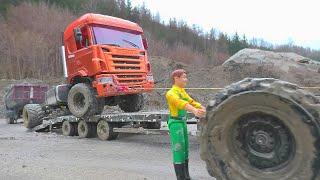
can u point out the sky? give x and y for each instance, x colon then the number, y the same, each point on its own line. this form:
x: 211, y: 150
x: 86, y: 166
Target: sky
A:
x: 275, y: 21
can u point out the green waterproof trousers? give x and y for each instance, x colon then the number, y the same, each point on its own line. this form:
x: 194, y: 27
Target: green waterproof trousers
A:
x: 179, y: 139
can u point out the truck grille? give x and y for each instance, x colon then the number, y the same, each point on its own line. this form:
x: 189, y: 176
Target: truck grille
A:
x: 121, y: 62
x: 127, y: 79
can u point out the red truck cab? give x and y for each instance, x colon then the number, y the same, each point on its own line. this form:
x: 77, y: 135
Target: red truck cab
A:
x: 111, y: 52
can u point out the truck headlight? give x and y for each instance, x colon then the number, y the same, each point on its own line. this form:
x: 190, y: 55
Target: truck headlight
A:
x: 105, y: 80
x: 150, y: 78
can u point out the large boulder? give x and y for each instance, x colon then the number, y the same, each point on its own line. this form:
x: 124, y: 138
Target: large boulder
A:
x: 282, y: 61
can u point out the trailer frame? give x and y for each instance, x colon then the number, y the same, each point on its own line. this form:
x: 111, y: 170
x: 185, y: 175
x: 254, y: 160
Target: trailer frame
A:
x: 134, y: 121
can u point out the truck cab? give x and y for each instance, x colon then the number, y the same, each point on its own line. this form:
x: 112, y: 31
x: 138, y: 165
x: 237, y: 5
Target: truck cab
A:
x: 109, y: 51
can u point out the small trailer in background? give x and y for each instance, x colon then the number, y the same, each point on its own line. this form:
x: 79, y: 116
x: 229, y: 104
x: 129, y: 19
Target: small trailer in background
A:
x: 21, y: 94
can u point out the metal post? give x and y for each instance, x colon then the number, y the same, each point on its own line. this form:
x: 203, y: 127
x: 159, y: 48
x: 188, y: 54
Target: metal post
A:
x: 64, y: 63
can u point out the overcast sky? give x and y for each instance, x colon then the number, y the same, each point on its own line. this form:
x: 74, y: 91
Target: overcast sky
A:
x: 276, y: 21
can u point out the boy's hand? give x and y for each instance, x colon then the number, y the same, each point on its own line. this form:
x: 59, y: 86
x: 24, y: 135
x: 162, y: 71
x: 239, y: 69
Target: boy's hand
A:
x: 201, y: 113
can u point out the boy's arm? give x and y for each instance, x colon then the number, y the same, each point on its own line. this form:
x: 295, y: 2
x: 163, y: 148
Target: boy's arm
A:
x: 179, y: 103
x: 193, y: 102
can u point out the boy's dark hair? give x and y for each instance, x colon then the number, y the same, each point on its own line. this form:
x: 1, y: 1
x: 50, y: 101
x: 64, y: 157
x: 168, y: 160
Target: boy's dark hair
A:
x: 177, y: 73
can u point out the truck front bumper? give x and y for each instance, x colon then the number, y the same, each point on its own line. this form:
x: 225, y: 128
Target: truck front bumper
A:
x: 113, y: 88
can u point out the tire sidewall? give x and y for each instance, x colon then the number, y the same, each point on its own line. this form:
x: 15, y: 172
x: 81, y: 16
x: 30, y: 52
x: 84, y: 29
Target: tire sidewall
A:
x: 102, y: 124
x: 85, y: 133
x: 222, y: 123
x: 87, y: 93
x: 69, y: 126
x: 32, y: 115
x: 25, y: 117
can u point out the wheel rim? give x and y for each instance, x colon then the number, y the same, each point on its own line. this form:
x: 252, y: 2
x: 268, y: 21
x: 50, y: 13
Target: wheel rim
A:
x: 79, y: 101
x: 263, y: 141
x: 66, y: 128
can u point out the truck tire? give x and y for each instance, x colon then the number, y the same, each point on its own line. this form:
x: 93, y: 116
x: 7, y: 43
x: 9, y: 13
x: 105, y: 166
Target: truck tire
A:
x: 86, y: 129
x: 68, y: 128
x: 105, y: 130
x: 32, y: 115
x: 262, y: 129
x: 131, y: 103
x: 82, y: 101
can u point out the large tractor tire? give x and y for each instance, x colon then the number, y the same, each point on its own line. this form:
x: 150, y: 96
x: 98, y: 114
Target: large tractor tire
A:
x: 82, y: 101
x: 262, y: 129
x: 132, y: 103
x: 32, y: 115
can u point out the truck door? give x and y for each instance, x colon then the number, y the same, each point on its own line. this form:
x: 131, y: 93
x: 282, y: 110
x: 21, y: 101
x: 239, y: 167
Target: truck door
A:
x: 81, y: 59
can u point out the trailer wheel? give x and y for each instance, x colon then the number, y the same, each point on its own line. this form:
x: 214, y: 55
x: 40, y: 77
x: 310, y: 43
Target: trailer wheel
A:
x: 131, y: 103
x: 86, y: 129
x: 262, y: 129
x: 82, y: 101
x: 105, y: 130
x: 68, y: 128
x: 32, y: 115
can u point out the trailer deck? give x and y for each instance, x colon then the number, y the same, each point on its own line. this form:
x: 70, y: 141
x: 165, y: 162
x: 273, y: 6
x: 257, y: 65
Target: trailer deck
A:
x: 139, y: 117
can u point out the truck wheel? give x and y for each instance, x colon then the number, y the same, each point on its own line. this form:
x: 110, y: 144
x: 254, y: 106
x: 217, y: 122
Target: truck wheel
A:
x: 32, y: 115
x: 68, y: 129
x: 82, y: 101
x: 262, y: 129
x: 86, y: 129
x: 105, y: 130
x: 131, y: 103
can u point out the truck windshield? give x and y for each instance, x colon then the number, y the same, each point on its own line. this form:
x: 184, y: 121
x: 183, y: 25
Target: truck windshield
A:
x: 117, y: 38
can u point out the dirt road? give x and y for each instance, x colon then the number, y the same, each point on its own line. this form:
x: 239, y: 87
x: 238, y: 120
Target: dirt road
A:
x: 30, y: 155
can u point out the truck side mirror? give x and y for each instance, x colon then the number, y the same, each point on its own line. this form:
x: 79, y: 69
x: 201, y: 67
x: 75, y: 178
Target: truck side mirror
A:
x: 78, y: 35
x: 145, y: 43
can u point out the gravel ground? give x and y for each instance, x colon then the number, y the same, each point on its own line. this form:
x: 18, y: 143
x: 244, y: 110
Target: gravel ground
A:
x: 30, y: 155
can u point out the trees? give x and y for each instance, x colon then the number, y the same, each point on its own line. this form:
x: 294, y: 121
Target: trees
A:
x: 30, y: 41
x: 29, y: 44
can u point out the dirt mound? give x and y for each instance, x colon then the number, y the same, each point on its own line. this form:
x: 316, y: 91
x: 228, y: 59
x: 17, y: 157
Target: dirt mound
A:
x: 283, y: 61
x: 285, y: 66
